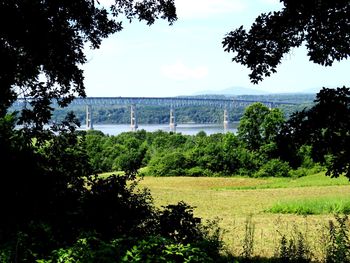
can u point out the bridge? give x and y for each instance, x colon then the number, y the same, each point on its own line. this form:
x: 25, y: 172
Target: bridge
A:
x: 171, y: 102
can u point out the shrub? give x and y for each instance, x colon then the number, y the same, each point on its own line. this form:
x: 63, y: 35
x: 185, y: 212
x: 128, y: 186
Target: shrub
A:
x: 302, y: 171
x: 212, y: 241
x: 195, y: 172
x: 178, y: 223
x: 158, y: 249
x: 177, y: 237
x: 150, y: 249
x: 180, y: 237
x: 275, y: 168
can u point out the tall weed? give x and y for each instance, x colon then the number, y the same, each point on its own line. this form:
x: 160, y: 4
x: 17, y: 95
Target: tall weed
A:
x: 336, y: 243
x: 248, y: 239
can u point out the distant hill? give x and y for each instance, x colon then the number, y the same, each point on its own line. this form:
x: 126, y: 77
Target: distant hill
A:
x: 232, y: 91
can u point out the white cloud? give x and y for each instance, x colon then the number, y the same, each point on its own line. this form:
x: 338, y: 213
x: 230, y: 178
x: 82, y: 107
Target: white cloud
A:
x: 206, y: 8
x: 179, y: 71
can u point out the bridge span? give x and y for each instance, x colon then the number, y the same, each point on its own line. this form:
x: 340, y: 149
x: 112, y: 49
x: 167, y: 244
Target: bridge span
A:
x: 172, y: 102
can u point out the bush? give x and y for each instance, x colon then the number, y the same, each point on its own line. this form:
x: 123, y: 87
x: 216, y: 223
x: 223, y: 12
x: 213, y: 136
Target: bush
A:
x: 275, y: 168
x: 178, y: 223
x: 113, y: 210
x: 177, y: 236
x: 301, y: 171
x: 88, y: 250
x: 158, y: 249
x: 148, y: 249
x: 196, y: 172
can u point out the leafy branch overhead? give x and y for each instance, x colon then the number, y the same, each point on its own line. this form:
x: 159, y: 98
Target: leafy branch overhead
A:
x: 42, y: 43
x: 323, y: 25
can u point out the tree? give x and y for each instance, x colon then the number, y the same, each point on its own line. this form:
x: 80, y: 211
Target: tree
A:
x: 323, y: 24
x: 131, y: 156
x: 325, y: 27
x: 259, y: 125
x: 171, y: 163
x: 325, y: 126
x: 46, y: 174
x: 249, y: 128
x: 42, y: 46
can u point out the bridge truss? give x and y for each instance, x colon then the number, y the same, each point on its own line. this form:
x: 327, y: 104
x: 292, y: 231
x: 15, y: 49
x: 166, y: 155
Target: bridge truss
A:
x: 171, y: 102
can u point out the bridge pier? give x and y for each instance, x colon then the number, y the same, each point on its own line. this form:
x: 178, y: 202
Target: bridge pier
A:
x: 133, y: 118
x: 172, y: 122
x: 89, y: 124
x: 226, y: 121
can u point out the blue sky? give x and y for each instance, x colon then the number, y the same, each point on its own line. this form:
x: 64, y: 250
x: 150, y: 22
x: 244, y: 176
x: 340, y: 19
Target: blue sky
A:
x: 188, y: 57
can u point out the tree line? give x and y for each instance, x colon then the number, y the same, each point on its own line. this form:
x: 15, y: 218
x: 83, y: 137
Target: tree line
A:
x: 254, y: 151
x: 266, y: 144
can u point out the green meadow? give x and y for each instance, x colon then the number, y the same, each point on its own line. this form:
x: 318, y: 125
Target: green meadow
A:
x: 313, y: 206
x: 276, y: 205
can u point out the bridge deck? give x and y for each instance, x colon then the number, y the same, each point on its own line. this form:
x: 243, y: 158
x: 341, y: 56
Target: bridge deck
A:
x: 168, y: 101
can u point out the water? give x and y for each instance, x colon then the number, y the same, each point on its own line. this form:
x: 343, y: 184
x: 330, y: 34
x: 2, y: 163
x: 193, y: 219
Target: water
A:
x: 186, y: 129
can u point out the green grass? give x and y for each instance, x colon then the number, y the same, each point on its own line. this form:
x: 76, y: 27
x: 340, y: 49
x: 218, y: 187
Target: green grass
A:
x: 233, y: 199
x: 315, y: 206
x: 240, y: 197
x: 318, y: 179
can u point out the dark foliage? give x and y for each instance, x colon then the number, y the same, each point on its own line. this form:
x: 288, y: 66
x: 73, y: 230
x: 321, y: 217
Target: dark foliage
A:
x: 177, y: 222
x: 323, y: 24
x: 51, y: 200
x: 42, y: 47
x: 326, y: 128
x: 40, y: 194
x: 48, y: 194
x: 113, y: 207
x: 156, y: 249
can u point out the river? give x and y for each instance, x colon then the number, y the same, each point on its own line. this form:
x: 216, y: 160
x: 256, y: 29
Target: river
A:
x: 186, y: 129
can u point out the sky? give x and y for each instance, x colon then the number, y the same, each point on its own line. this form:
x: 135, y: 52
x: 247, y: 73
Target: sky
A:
x: 187, y: 58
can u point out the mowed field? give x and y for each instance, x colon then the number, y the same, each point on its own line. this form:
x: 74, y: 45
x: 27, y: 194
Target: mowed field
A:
x: 234, y: 199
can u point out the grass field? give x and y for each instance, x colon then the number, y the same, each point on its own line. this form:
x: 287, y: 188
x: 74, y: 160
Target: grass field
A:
x: 313, y: 206
x: 234, y: 199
